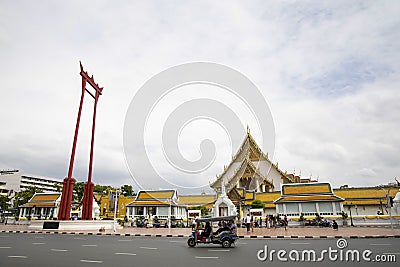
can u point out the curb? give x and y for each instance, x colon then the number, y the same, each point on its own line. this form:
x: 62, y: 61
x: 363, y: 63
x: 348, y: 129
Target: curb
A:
x: 185, y: 236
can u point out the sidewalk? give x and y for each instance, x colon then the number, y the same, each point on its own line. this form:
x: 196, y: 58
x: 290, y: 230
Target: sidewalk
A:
x: 295, y: 232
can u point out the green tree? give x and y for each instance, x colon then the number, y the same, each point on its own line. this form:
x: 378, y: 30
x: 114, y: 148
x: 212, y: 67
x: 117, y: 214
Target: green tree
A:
x: 257, y: 204
x: 127, y: 190
x: 58, y: 187
x: 23, y: 197
x: 103, y: 189
x: 79, y: 188
x: 4, y: 202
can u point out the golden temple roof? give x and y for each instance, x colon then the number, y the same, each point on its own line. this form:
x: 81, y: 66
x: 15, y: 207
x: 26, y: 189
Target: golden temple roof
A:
x: 156, y: 194
x: 306, y: 189
x: 197, y: 200
x: 43, y: 200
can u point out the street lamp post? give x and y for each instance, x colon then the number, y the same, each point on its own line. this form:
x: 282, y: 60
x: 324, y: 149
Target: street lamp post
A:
x: 169, y: 213
x: 351, y: 217
x: 115, y: 210
x: 388, y: 203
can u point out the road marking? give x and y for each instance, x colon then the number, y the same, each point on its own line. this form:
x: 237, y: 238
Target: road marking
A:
x: 380, y: 244
x: 4, y: 236
x: 39, y: 237
x: 125, y: 240
x: 148, y: 248
x: 79, y: 238
x: 16, y: 256
x: 240, y: 243
x: 61, y: 250
x: 295, y: 243
x: 89, y: 245
x: 197, y: 257
x: 391, y: 253
x: 4, y: 247
x: 219, y: 250
x: 38, y: 243
x: 89, y: 261
x: 174, y: 241
x: 125, y: 253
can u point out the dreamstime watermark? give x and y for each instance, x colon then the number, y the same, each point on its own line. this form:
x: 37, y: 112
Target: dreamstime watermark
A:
x: 340, y: 253
x: 147, y: 132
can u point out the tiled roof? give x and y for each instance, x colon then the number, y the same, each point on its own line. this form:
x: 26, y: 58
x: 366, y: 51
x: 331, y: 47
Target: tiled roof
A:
x: 196, y: 200
x: 307, y: 198
x: 160, y: 194
x: 364, y: 196
x: 268, y: 197
x: 43, y: 200
x: 150, y: 203
x: 306, y: 189
x: 45, y: 197
x: 358, y: 193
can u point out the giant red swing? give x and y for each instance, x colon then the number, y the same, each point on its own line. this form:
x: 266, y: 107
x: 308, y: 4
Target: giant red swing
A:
x: 68, y: 185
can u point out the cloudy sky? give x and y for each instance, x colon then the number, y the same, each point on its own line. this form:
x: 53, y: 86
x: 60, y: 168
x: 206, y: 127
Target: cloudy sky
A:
x: 328, y: 70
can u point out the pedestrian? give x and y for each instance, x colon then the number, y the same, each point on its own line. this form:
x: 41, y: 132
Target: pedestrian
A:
x: 268, y: 221
x: 274, y: 222
x: 335, y: 226
x: 248, y: 222
x: 285, y: 221
x: 252, y: 223
x: 193, y: 221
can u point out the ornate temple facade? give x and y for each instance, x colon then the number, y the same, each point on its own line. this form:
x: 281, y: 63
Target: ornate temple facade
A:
x: 251, y: 169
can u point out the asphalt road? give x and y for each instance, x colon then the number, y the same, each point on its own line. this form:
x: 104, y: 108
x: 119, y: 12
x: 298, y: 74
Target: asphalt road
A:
x: 83, y: 250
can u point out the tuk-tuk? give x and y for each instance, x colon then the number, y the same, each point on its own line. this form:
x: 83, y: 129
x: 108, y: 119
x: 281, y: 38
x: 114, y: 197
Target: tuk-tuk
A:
x: 225, y: 236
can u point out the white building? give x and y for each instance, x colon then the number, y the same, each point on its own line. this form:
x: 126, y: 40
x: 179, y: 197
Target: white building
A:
x: 15, y: 182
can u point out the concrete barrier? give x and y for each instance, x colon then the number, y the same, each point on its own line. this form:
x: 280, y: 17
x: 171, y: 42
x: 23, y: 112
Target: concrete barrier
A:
x: 76, y: 225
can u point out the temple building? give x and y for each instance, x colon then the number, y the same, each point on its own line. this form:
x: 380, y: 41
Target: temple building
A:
x: 160, y: 204
x: 41, y: 206
x: 251, y: 169
x: 308, y: 199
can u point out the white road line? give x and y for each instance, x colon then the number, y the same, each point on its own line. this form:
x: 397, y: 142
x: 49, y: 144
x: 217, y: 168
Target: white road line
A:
x: 17, y: 256
x: 198, y: 257
x: 294, y: 243
x: 240, y: 243
x: 79, y: 238
x: 380, y: 244
x: 125, y: 240
x: 4, y: 236
x: 89, y: 261
x: 391, y: 253
x: 125, y: 253
x: 39, y: 237
x: 219, y: 250
x: 148, y: 248
x: 38, y: 243
x: 61, y: 250
x: 4, y: 247
x: 174, y: 241
x: 89, y: 245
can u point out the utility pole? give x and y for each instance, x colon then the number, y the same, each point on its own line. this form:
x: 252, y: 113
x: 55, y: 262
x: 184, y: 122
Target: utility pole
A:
x: 388, y: 203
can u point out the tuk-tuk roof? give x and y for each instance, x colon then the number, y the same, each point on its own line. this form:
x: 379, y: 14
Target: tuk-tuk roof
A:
x: 216, y: 219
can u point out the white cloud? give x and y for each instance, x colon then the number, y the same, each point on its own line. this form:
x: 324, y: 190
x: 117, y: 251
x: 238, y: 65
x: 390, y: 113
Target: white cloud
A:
x: 329, y: 71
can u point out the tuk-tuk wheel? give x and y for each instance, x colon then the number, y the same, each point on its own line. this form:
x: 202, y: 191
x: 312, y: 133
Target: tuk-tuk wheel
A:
x: 226, y: 243
x: 191, y: 242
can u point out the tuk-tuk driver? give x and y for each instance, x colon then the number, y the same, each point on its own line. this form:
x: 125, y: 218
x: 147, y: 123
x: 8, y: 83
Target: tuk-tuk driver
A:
x: 207, y: 230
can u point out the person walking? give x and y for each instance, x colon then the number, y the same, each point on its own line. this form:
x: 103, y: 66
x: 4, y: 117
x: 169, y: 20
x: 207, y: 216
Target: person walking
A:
x: 285, y: 221
x: 252, y: 224
x: 247, y: 221
x: 335, y: 226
